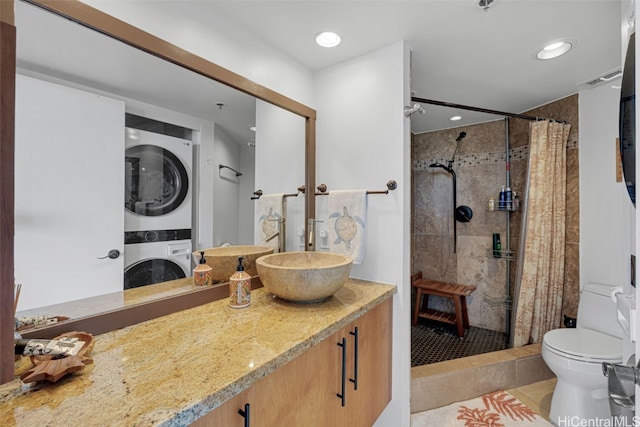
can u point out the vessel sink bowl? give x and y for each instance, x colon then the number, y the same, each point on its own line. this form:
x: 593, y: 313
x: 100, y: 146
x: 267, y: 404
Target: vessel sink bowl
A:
x: 304, y: 276
x: 224, y: 260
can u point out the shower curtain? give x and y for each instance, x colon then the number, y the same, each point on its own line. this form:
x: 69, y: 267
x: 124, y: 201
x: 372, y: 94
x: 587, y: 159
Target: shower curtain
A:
x: 540, y: 270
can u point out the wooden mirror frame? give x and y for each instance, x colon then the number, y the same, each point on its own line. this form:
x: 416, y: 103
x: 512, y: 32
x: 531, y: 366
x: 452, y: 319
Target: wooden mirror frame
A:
x: 106, y: 24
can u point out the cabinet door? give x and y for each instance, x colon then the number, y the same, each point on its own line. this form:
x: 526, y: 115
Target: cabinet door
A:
x: 305, y: 391
x: 374, y: 332
x: 340, y: 408
x: 364, y: 403
x: 298, y: 393
x: 227, y: 415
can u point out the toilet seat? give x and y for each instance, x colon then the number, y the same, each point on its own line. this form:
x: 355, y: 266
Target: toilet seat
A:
x: 584, y: 345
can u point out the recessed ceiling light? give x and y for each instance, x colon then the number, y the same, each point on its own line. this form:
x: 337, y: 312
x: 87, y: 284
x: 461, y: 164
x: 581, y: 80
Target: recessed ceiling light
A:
x: 252, y: 128
x: 553, y: 50
x: 455, y: 118
x: 328, y: 39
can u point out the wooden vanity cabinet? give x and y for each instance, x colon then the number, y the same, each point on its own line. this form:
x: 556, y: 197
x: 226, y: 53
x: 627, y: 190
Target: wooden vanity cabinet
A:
x: 304, y: 392
x: 364, y: 405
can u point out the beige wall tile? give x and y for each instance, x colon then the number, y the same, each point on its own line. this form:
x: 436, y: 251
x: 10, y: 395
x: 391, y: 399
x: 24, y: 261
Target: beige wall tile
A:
x: 440, y: 384
x: 480, y: 174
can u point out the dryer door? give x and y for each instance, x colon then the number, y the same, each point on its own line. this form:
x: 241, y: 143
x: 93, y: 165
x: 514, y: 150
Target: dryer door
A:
x: 156, y: 181
x: 150, y: 271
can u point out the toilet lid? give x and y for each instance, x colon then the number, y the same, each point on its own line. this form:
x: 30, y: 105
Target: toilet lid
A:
x: 584, y: 344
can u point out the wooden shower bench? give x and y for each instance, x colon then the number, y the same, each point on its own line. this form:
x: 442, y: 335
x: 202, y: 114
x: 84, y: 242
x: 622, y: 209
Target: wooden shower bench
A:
x: 454, y: 291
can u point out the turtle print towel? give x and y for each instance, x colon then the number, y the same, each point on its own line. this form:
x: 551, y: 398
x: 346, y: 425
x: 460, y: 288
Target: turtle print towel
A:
x: 347, y: 223
x: 269, y: 214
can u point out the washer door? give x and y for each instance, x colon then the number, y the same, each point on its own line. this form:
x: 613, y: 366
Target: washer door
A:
x: 156, y: 181
x: 150, y: 271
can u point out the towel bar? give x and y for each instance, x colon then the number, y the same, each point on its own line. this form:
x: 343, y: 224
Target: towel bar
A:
x: 221, y: 166
x: 391, y: 185
x: 258, y: 193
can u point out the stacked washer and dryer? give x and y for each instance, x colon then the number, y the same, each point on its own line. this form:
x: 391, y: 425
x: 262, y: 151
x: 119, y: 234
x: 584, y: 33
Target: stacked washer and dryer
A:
x: 158, y: 208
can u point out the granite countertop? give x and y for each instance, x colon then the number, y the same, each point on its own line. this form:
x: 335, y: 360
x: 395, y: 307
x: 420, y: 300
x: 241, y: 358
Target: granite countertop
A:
x: 171, y: 370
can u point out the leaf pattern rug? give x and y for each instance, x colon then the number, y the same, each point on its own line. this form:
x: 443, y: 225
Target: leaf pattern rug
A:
x: 497, y: 409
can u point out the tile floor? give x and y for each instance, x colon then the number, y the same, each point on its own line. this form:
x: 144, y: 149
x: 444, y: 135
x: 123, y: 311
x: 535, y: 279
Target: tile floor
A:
x: 536, y: 396
x: 433, y: 342
x: 468, y: 377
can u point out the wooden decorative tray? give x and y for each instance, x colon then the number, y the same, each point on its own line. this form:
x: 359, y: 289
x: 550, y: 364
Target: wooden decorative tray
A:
x: 49, y: 369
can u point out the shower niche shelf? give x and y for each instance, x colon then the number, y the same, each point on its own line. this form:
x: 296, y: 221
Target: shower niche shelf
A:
x: 510, y: 205
x: 503, y: 210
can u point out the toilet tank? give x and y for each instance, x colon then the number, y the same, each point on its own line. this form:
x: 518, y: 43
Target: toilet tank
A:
x: 597, y: 311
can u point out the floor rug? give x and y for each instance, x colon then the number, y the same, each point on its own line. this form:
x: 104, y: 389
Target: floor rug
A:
x: 498, y: 409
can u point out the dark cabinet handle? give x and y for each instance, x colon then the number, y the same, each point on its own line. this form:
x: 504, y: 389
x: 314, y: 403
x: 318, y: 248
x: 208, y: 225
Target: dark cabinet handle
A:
x: 354, y: 380
x: 343, y: 344
x: 245, y: 414
x: 113, y: 254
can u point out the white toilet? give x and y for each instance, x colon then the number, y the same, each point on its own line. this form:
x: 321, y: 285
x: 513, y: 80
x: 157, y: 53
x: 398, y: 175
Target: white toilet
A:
x: 575, y: 356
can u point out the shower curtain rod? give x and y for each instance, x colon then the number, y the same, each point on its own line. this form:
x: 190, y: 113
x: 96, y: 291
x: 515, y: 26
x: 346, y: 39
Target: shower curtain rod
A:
x: 480, y: 110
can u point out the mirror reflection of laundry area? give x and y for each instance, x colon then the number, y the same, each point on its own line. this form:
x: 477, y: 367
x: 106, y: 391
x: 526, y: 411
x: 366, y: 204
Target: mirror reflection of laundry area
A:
x: 157, y: 201
x: 465, y: 239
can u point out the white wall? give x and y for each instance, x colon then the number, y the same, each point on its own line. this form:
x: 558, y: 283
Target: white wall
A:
x: 363, y: 142
x: 216, y: 37
x: 606, y: 212
x: 365, y: 156
x: 280, y: 148
x: 605, y: 207
x: 247, y: 187
x: 226, y: 187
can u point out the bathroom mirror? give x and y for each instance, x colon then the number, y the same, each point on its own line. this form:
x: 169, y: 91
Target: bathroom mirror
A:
x: 150, y: 86
x: 628, y: 120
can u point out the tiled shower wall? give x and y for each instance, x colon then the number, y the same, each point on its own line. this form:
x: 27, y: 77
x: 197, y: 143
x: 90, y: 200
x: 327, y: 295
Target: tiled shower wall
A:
x: 480, y: 169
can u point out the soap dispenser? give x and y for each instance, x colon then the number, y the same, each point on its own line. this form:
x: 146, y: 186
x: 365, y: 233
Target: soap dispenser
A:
x: 240, y: 287
x: 202, y: 274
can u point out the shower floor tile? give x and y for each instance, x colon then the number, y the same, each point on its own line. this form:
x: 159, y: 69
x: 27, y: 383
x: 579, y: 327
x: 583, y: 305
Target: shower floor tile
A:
x: 433, y: 342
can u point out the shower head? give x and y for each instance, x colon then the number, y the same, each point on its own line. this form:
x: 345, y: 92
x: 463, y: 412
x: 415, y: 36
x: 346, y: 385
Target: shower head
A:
x: 416, y: 108
x: 440, y: 165
x: 458, y: 139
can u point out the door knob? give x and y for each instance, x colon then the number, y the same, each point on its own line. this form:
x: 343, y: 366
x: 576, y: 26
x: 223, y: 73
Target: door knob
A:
x: 113, y: 254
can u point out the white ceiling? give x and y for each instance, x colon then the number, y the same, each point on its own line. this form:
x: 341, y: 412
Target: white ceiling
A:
x: 55, y: 48
x: 460, y: 53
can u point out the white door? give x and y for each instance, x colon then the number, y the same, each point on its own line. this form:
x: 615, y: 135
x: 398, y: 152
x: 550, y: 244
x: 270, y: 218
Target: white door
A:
x: 69, y: 186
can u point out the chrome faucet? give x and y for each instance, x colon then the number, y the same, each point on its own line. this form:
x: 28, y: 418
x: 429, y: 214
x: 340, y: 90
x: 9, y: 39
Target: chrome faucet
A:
x: 279, y: 233
x: 311, y: 245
